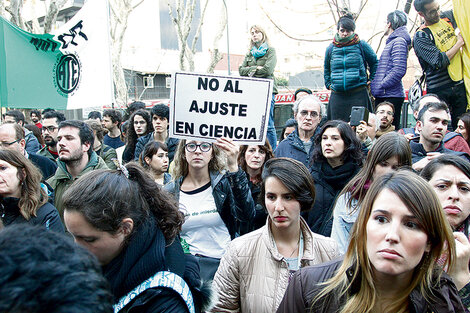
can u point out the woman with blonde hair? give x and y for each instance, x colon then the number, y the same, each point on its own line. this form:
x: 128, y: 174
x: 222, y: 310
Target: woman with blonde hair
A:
x: 23, y: 197
x: 260, y: 61
x: 213, y: 192
x: 390, y: 264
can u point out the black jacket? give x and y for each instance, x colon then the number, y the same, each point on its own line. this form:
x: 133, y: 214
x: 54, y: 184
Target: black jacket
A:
x: 232, y: 197
x: 46, y: 215
x: 418, y: 152
x: 146, y: 254
x: 46, y: 166
x: 304, y: 286
x: 328, y: 184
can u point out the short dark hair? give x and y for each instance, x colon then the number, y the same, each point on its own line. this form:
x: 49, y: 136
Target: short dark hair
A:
x: 161, y: 110
x: 419, y: 5
x: 385, y: 103
x: 84, y: 132
x: 94, y: 115
x: 416, y: 104
x: 43, y: 271
x: 150, y: 149
x: 134, y: 106
x: 17, y: 115
x: 59, y: 116
x: 37, y: 112
x: 347, y: 22
x: 97, y: 129
x: 352, y: 145
x: 114, y: 115
x: 397, y: 19
x: 432, y: 106
x: 302, y: 89
x: 295, y: 176
x: 443, y: 160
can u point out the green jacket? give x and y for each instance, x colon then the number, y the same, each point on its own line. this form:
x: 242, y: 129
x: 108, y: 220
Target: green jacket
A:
x: 62, y: 180
x: 267, y: 61
x: 108, y: 154
x: 45, y: 153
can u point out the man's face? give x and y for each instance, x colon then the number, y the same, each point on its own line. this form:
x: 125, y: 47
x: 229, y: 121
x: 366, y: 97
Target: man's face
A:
x: 108, y: 123
x: 50, y: 129
x: 69, y: 145
x: 433, y: 127
x: 160, y: 124
x: 34, y: 118
x: 8, y: 139
x: 385, y: 116
x: 431, y: 13
x: 308, y: 116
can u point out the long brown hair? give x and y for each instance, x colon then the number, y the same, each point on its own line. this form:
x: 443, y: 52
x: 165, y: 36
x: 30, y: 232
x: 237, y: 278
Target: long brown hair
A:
x: 32, y: 195
x: 423, y: 203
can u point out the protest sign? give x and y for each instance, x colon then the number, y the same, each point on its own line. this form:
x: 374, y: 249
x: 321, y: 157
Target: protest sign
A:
x: 206, y: 107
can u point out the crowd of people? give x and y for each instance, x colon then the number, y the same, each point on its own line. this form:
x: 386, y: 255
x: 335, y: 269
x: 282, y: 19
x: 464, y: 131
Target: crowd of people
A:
x: 336, y: 216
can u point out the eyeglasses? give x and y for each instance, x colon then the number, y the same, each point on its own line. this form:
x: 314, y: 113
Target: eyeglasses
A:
x: 7, y: 144
x: 204, y: 147
x: 304, y: 113
x: 390, y: 113
x: 48, y: 128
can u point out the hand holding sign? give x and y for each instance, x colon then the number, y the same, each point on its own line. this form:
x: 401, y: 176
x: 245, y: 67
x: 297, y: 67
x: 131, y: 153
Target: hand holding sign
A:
x: 231, y: 150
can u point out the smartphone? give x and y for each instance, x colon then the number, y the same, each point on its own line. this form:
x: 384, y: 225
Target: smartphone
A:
x: 358, y: 114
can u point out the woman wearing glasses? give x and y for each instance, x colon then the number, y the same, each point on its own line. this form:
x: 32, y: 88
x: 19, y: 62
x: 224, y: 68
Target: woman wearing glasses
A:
x: 140, y: 124
x: 213, y: 192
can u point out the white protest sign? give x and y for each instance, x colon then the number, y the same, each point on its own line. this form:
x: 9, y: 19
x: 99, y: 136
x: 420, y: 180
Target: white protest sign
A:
x: 206, y: 107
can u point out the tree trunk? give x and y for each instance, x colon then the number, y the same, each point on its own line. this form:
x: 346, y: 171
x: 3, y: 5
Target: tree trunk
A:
x: 15, y: 11
x: 408, y: 6
x: 51, y: 14
x: 216, y: 56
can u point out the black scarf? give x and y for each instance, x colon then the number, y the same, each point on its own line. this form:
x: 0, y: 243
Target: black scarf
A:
x: 140, y: 259
x: 339, y: 176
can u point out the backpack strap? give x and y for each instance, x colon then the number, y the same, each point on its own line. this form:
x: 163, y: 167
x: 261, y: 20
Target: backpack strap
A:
x: 161, y: 279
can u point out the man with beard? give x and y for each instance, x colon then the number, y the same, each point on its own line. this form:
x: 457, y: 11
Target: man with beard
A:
x: 76, y: 157
x: 35, y: 116
x: 50, y: 128
x: 432, y: 126
x: 308, y: 112
x: 438, y: 50
x: 384, y: 114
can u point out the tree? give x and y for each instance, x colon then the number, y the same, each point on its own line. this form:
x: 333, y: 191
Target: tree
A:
x: 15, y: 13
x: 182, y: 15
x: 120, y: 10
x: 216, y: 56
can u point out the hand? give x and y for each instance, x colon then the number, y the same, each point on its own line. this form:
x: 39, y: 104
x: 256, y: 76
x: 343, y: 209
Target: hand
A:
x: 418, y: 166
x: 361, y: 131
x: 460, y: 272
x: 231, y: 150
x: 409, y: 137
x: 460, y: 41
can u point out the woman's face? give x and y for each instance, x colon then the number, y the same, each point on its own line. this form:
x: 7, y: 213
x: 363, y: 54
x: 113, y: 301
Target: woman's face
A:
x: 461, y: 130
x: 343, y: 32
x: 396, y: 242
x: 332, y: 145
x: 10, y: 185
x: 255, y: 157
x: 452, y: 187
x: 256, y: 36
x: 198, y: 153
x: 140, y: 125
x: 283, y: 208
x: 385, y: 167
x: 159, y: 161
x: 102, y: 244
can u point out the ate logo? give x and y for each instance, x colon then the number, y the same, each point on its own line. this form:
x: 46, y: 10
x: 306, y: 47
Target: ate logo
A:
x: 67, y: 73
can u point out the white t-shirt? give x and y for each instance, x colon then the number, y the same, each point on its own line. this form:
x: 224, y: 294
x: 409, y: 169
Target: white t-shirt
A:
x: 203, y: 230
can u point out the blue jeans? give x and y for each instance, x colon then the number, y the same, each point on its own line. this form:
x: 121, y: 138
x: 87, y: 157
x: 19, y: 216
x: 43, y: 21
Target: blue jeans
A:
x: 271, y: 133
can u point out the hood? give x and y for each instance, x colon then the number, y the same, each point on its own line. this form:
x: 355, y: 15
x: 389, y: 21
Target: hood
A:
x: 65, y: 174
x: 400, y: 32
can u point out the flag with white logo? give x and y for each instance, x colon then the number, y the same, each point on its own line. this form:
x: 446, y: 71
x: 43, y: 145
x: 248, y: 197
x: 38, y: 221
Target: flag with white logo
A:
x: 69, y: 69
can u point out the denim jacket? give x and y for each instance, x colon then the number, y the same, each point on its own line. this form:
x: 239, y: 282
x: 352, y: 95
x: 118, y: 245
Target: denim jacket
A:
x: 343, y: 221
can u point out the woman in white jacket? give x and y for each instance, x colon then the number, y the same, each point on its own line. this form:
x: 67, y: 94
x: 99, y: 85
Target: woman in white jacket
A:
x: 255, y: 270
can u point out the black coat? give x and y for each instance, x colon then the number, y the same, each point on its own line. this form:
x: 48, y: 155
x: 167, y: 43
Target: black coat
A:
x: 328, y: 184
x: 146, y: 254
x: 46, y: 215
